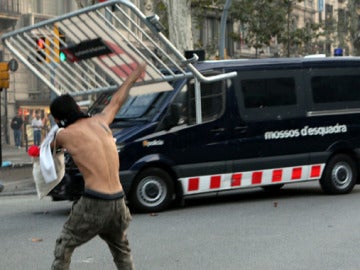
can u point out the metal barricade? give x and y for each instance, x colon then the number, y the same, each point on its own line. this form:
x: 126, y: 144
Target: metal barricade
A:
x: 94, y: 49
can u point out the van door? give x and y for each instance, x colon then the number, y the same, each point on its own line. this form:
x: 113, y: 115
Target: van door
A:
x: 266, y: 131
x: 199, y: 150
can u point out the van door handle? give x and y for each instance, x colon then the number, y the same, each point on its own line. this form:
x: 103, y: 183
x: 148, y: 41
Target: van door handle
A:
x: 241, y: 129
x: 217, y: 130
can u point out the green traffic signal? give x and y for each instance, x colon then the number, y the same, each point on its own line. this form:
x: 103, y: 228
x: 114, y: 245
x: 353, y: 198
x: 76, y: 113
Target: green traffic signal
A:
x: 62, y: 56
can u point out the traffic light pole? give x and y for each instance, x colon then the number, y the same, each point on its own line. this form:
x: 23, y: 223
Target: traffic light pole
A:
x: 0, y: 130
x: 4, y: 84
x: 223, y: 29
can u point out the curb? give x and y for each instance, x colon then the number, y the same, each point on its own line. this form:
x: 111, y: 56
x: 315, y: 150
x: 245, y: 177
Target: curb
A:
x: 23, y: 186
x: 17, y: 193
x: 17, y: 165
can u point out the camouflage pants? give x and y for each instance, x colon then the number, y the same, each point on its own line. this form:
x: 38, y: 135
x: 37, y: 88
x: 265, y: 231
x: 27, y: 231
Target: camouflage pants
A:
x: 91, y: 217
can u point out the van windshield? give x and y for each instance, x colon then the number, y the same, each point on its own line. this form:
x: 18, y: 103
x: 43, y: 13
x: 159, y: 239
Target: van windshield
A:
x: 135, y: 107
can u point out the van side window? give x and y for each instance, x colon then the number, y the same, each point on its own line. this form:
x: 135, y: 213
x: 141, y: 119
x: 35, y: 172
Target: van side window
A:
x: 334, y: 89
x: 268, y: 92
x: 270, y: 96
x: 212, y: 101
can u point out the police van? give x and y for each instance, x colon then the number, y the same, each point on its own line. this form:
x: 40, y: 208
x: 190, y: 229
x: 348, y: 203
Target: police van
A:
x: 279, y: 121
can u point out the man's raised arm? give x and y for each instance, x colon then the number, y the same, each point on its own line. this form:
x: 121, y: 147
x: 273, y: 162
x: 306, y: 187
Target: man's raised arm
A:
x: 121, y: 95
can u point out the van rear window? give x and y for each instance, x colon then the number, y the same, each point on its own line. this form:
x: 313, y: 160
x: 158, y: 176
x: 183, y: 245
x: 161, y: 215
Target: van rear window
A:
x: 333, y: 89
x: 259, y: 93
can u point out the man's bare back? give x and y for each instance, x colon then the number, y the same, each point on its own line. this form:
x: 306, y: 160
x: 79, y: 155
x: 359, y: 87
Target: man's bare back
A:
x: 92, y: 147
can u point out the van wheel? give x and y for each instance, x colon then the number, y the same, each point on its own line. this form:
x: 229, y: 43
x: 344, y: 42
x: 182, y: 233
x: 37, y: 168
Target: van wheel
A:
x: 153, y: 191
x: 340, y: 175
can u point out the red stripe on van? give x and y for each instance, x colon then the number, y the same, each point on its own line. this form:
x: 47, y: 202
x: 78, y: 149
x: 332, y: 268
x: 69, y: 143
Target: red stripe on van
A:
x: 296, y: 173
x: 194, y: 184
x: 236, y: 179
x: 277, y: 175
x: 215, y: 181
x: 256, y: 178
x: 315, y: 171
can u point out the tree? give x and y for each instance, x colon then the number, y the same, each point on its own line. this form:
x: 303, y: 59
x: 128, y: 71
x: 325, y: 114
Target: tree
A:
x: 261, y: 19
x: 354, y: 15
x: 299, y: 40
x: 179, y: 17
x: 264, y: 20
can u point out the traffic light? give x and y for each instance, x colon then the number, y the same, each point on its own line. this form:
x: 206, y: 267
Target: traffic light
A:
x: 41, y: 49
x: 59, y: 40
x: 4, y: 75
x: 62, y: 56
x: 40, y: 43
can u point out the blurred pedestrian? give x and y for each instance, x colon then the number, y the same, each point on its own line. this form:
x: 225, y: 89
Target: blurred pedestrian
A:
x: 37, y: 125
x: 46, y: 125
x: 16, y: 125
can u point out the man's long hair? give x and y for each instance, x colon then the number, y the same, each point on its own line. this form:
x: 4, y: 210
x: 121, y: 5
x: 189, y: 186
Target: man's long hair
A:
x: 65, y: 109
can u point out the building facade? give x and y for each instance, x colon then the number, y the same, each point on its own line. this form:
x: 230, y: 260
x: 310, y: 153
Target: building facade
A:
x: 27, y: 94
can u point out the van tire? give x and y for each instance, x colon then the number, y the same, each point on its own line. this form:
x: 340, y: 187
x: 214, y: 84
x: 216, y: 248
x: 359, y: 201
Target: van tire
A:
x: 340, y: 175
x: 153, y: 191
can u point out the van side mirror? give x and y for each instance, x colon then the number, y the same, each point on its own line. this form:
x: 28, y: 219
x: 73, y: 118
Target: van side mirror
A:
x: 172, y: 116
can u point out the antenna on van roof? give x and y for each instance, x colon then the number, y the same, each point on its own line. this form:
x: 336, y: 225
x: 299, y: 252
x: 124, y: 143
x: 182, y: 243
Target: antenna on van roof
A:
x: 95, y: 48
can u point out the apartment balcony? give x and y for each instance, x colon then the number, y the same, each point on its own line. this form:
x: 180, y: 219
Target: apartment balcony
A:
x: 9, y: 13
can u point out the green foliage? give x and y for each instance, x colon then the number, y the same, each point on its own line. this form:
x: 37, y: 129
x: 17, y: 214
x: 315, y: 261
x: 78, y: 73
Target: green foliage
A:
x: 262, y: 20
x: 160, y: 9
x: 202, y: 8
x: 354, y: 14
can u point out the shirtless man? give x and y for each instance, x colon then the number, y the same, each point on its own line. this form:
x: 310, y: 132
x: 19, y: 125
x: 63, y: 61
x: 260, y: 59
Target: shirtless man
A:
x: 101, y: 210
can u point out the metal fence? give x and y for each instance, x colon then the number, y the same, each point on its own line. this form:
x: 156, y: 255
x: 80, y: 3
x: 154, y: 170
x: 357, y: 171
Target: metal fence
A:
x: 94, y: 49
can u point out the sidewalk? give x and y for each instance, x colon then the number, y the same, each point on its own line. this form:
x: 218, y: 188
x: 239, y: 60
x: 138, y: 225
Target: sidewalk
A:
x: 14, y: 157
x: 16, y: 172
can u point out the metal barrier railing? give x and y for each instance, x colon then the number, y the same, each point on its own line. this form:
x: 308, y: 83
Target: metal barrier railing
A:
x: 94, y: 49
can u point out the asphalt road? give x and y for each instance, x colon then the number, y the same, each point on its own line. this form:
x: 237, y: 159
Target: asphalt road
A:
x: 298, y: 228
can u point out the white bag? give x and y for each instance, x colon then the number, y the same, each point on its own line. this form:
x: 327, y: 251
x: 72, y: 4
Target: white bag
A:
x: 42, y: 187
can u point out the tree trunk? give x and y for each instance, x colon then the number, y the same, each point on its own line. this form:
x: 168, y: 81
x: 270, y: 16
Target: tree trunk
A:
x: 180, y: 30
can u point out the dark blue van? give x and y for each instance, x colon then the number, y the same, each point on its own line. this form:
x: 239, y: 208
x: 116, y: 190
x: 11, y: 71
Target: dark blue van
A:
x: 279, y: 121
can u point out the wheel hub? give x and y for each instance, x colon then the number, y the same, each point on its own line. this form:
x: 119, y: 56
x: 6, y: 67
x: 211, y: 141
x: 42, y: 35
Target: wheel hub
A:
x: 342, y: 174
x: 151, y: 192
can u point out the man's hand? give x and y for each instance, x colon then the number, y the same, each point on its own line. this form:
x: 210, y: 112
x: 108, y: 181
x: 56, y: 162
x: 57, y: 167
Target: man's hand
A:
x: 123, y: 92
x: 137, y: 72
